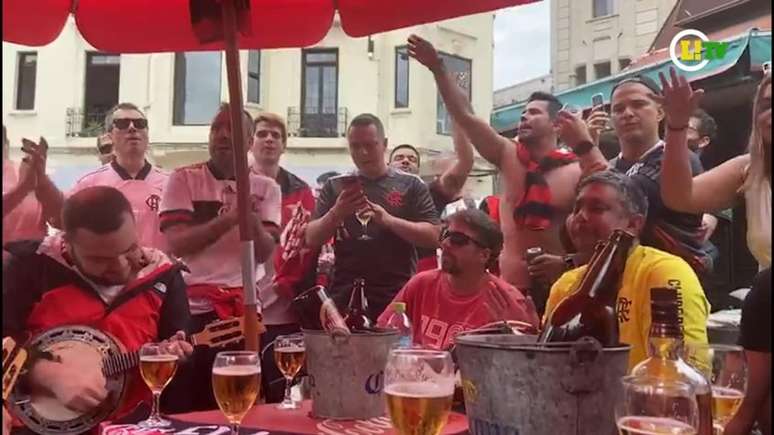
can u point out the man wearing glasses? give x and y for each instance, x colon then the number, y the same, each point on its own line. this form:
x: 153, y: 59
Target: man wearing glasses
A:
x: 462, y: 295
x: 129, y: 172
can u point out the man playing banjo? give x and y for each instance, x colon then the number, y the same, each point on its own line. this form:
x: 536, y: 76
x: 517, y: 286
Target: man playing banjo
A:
x: 93, y: 274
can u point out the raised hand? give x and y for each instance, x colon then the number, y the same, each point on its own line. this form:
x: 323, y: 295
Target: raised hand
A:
x: 424, y: 52
x: 679, y: 99
x: 572, y: 129
x: 597, y: 123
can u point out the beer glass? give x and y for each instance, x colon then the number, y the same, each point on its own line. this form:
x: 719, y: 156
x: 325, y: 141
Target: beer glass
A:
x: 652, y: 406
x: 157, y: 367
x: 725, y: 367
x: 419, y: 385
x: 236, y: 381
x: 289, y: 355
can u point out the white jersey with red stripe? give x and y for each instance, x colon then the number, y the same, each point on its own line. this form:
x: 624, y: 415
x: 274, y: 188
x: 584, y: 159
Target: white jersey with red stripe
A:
x: 197, y: 194
x: 143, y: 192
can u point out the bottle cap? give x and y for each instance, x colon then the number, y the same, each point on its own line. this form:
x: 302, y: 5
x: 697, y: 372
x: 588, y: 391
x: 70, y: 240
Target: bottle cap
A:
x: 399, y: 307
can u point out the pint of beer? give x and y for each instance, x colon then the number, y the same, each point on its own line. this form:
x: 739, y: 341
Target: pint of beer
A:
x: 290, y: 360
x: 157, y: 370
x: 236, y: 380
x: 418, y: 408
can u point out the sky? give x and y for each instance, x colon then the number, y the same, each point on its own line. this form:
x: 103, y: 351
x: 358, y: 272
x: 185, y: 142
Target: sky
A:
x: 522, y: 43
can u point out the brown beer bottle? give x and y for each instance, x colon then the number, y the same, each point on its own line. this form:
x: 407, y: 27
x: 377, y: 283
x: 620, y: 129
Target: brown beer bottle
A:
x: 318, y: 312
x: 356, y: 317
x: 591, y: 309
x: 665, y: 345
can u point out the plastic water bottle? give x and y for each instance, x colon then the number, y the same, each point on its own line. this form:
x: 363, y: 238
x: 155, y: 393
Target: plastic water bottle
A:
x: 400, y: 321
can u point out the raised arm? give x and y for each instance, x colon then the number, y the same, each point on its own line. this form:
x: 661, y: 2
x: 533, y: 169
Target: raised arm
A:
x: 453, y: 180
x: 487, y: 141
x: 713, y: 190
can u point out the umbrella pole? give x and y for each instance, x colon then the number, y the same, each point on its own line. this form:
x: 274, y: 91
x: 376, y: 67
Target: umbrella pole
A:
x: 242, y: 177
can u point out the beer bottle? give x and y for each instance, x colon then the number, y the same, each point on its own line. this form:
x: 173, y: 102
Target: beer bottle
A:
x: 318, y: 312
x: 538, y: 291
x: 665, y: 345
x: 590, y: 309
x: 356, y: 317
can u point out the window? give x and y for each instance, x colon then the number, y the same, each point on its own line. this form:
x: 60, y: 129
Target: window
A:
x: 254, y: 76
x: 463, y: 70
x: 320, y: 93
x: 103, y: 76
x: 580, y: 75
x: 25, y: 81
x: 603, y: 8
x: 401, y: 77
x: 197, y: 87
x: 624, y: 63
x: 602, y: 70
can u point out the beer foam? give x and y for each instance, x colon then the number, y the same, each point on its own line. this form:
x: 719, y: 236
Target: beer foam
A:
x: 420, y: 390
x: 158, y: 358
x: 654, y: 426
x: 236, y: 370
x: 291, y: 349
x: 726, y: 393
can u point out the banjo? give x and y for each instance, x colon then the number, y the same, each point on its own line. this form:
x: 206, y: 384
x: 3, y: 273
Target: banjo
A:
x: 95, y: 350
x: 14, y: 358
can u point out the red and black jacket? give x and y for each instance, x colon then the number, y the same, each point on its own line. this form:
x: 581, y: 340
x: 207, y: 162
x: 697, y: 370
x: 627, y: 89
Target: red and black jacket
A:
x: 42, y: 290
x: 293, y: 262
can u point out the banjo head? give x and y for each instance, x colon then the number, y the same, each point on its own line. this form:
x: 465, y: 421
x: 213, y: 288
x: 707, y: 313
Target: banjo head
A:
x: 85, y: 347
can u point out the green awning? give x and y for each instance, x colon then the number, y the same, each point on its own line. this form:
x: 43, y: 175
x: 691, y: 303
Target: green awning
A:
x: 754, y: 46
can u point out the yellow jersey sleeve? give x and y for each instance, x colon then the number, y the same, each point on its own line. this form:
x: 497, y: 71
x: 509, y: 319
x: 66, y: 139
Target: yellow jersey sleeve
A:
x: 673, y: 272
x: 561, y: 288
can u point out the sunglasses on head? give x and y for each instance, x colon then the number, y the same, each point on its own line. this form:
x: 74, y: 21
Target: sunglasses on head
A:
x: 459, y: 239
x: 263, y: 134
x: 123, y: 123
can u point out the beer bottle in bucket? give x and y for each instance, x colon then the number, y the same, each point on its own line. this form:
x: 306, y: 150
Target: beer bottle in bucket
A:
x: 356, y: 318
x: 537, y: 290
x: 318, y: 312
x: 664, y: 362
x: 591, y: 309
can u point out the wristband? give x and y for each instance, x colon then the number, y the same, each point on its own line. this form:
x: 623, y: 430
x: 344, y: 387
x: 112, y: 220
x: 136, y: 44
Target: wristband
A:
x: 583, y: 147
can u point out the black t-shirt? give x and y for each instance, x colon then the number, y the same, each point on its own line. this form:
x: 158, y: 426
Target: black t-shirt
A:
x: 666, y: 229
x: 756, y: 315
x: 386, y: 261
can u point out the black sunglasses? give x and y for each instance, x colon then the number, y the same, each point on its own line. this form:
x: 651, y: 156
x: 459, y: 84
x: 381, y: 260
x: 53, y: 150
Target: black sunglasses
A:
x: 123, y: 123
x: 459, y: 239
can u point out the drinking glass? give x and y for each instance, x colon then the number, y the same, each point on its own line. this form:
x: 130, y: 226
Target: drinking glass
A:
x: 236, y: 382
x: 654, y: 406
x: 419, y: 385
x: 157, y: 367
x: 364, y: 216
x: 289, y: 355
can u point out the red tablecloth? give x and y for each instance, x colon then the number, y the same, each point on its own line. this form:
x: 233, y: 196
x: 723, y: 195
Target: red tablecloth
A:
x: 269, y: 418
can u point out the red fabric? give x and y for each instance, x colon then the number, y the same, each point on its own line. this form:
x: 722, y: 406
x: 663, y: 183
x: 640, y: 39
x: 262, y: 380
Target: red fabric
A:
x: 535, y: 211
x: 427, y: 263
x: 438, y: 315
x: 493, y: 206
x: 227, y: 302
x: 142, y: 26
x: 292, y: 260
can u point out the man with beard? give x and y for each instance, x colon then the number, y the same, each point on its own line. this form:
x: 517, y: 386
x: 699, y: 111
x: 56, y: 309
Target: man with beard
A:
x: 538, y: 178
x: 94, y: 273
x: 461, y: 295
x: 609, y: 201
x: 199, y: 219
x: 128, y: 171
x: 445, y: 189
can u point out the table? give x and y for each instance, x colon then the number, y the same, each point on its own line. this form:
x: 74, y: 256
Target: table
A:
x: 272, y: 420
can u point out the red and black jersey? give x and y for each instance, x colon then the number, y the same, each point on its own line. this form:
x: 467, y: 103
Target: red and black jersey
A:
x: 42, y: 290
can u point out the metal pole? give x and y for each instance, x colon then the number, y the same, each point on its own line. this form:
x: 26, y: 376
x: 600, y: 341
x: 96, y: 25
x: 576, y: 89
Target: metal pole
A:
x: 238, y: 134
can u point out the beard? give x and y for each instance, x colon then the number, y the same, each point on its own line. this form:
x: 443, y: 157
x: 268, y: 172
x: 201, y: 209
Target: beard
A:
x: 449, y: 265
x: 103, y: 280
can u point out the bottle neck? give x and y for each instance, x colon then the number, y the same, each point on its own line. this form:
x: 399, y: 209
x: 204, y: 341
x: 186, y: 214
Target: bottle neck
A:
x: 664, y: 345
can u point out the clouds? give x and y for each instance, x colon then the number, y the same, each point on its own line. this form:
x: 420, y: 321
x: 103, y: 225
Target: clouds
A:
x: 522, y: 38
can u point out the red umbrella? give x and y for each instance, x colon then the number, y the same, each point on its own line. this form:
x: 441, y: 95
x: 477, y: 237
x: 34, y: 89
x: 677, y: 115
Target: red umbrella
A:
x: 146, y: 26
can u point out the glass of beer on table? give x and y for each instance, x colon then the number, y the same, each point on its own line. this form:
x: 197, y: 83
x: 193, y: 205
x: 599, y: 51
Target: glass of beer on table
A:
x: 157, y: 367
x: 725, y: 367
x: 289, y: 354
x: 652, y: 406
x: 236, y: 382
x: 419, y: 385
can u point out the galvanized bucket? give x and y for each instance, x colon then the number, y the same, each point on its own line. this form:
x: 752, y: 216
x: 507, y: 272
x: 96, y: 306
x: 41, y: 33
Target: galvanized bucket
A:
x: 346, y: 373
x: 513, y: 386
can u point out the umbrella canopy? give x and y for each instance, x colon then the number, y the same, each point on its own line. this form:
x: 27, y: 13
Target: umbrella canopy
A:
x: 142, y: 26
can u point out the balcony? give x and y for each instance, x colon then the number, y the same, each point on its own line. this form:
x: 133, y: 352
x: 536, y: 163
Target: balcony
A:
x: 317, y: 124
x: 84, y: 123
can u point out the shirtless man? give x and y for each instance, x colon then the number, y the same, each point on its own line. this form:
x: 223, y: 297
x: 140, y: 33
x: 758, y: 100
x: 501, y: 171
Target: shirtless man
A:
x: 537, y: 224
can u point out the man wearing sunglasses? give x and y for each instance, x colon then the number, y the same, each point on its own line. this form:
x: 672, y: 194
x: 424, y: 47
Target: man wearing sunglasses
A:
x: 129, y: 172
x: 462, y: 295
x: 290, y: 272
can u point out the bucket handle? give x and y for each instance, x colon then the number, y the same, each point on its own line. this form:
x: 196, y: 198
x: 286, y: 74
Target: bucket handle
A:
x: 338, y: 340
x: 583, y: 356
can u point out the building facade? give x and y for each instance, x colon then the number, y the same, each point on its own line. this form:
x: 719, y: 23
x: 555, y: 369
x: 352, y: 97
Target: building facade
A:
x: 62, y: 91
x: 521, y: 91
x: 594, y: 39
